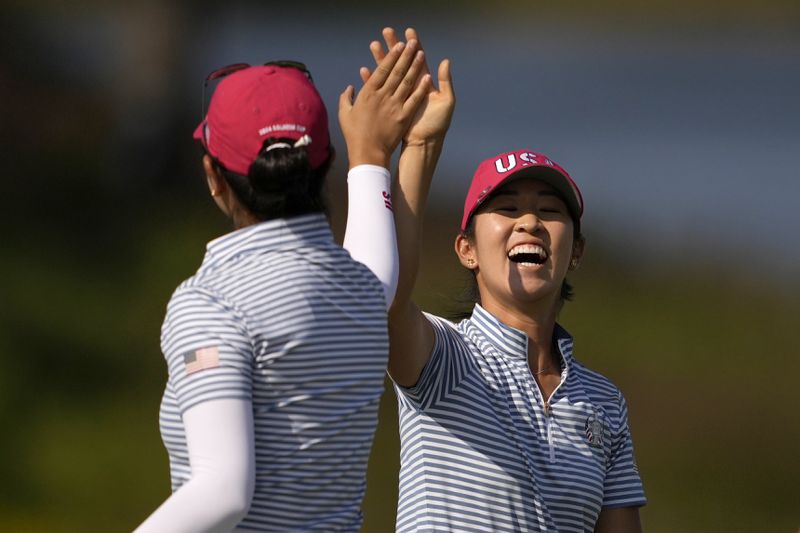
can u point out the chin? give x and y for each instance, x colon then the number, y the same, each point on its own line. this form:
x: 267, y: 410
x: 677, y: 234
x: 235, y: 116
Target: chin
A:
x: 535, y: 292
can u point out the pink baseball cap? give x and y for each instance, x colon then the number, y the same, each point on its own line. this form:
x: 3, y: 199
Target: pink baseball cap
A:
x: 255, y: 103
x: 496, y: 170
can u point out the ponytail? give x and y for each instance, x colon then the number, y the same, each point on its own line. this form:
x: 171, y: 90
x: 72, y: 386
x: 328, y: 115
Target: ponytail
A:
x: 280, y: 182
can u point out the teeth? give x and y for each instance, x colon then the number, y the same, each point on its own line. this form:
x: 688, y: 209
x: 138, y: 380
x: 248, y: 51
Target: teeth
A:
x: 528, y: 254
x: 527, y: 249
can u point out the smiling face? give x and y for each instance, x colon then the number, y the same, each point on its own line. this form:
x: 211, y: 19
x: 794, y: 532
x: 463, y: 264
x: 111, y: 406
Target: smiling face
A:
x: 521, y: 247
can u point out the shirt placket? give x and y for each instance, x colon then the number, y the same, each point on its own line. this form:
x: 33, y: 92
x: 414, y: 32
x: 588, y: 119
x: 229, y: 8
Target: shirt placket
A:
x: 545, y: 404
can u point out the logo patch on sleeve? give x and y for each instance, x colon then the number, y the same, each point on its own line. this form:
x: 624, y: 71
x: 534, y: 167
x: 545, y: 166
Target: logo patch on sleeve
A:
x: 201, y: 359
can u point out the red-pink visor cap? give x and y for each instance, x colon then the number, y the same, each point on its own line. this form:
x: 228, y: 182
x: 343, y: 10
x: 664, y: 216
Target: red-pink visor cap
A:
x: 496, y: 170
x: 256, y: 103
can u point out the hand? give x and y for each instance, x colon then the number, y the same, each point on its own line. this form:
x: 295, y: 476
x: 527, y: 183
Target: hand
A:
x: 433, y: 116
x: 374, y: 123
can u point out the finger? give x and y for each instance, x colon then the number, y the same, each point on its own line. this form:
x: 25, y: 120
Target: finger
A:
x: 390, y: 36
x: 365, y: 73
x: 378, y: 53
x: 416, y: 98
x: 385, y: 67
x: 411, y: 33
x: 400, y: 68
x: 412, y: 78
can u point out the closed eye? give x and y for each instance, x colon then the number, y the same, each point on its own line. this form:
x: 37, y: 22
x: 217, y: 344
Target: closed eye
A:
x: 551, y: 212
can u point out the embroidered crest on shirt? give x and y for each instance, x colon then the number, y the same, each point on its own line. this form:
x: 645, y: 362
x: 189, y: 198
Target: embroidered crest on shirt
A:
x: 595, y: 425
x: 201, y: 359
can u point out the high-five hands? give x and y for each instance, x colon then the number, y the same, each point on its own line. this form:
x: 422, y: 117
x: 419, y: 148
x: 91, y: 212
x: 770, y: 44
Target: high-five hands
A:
x: 433, y: 117
x: 374, y: 123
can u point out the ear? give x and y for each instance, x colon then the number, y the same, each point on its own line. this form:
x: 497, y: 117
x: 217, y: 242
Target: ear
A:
x: 578, y: 247
x: 217, y: 185
x: 465, y: 250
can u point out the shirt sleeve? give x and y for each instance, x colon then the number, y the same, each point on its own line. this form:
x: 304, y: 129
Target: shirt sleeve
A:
x: 208, y: 351
x: 450, y: 363
x: 219, y: 438
x: 370, y: 233
x: 623, y: 485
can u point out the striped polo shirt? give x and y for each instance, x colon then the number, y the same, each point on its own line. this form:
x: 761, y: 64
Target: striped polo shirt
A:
x: 281, y: 315
x: 481, y: 449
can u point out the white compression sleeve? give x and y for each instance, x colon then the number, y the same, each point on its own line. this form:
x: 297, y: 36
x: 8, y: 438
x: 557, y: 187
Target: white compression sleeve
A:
x: 370, y: 235
x: 219, y: 436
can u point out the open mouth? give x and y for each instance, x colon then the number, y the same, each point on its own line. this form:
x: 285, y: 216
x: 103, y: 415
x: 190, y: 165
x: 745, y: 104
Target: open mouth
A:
x: 528, y: 254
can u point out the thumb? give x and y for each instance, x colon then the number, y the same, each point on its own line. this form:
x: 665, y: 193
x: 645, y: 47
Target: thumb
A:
x: 446, y: 78
x: 346, y: 99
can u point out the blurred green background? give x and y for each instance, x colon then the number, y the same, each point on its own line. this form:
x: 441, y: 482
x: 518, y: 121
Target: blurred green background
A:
x: 688, y: 297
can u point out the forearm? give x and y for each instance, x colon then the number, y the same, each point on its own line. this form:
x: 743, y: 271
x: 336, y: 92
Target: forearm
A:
x: 219, y: 436
x: 370, y: 235
x: 415, y: 172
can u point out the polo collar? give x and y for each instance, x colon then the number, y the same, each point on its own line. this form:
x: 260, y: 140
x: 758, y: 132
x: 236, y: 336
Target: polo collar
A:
x: 273, y: 234
x: 513, y: 342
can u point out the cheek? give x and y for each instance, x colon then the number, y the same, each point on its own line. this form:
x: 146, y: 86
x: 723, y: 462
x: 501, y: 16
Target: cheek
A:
x: 490, y: 239
x: 561, y: 241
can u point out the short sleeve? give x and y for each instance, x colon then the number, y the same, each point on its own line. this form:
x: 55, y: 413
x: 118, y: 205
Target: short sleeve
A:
x: 623, y: 485
x: 207, y: 349
x: 450, y: 362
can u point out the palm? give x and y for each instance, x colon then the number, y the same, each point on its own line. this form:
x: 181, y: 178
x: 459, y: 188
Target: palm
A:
x: 432, y: 118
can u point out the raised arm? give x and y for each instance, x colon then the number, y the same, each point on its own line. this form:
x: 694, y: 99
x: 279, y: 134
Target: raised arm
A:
x: 373, y: 125
x: 411, y: 335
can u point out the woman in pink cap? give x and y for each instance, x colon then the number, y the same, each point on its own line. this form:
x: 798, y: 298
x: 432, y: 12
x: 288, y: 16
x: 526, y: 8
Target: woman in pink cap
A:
x: 276, y: 348
x: 502, y: 428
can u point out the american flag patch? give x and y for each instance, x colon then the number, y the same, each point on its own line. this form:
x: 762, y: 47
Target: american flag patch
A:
x: 201, y: 359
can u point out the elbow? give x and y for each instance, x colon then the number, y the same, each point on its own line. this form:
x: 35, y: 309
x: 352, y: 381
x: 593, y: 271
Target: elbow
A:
x: 236, y: 499
x: 229, y: 498
x: 237, y: 509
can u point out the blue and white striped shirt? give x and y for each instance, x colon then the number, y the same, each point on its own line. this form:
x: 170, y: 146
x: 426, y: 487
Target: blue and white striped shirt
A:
x: 300, y: 330
x: 481, y: 450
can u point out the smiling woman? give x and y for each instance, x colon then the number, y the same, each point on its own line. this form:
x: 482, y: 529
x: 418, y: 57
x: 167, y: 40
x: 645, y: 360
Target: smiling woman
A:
x: 548, y: 196
x: 502, y: 429
x: 545, y: 439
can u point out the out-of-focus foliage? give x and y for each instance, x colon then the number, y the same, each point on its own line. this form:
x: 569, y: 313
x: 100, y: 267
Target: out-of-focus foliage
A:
x: 707, y: 365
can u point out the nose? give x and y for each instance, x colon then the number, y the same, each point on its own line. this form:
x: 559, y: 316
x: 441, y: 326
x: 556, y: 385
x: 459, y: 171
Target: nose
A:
x: 528, y: 222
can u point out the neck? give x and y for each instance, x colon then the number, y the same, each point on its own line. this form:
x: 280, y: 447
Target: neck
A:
x: 242, y: 218
x: 538, y: 323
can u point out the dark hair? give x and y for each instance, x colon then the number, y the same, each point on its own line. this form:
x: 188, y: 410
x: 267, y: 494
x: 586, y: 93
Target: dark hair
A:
x: 471, y: 295
x: 280, y: 183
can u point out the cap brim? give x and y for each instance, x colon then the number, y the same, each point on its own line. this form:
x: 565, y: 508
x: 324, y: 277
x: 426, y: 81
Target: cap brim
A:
x: 198, y: 131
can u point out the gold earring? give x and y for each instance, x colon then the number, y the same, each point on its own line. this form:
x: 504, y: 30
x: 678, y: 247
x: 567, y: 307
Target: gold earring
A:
x: 573, y: 263
x: 470, y: 262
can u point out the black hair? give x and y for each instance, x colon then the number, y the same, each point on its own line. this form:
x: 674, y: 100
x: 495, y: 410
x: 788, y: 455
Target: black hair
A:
x: 280, y: 183
x: 471, y: 295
